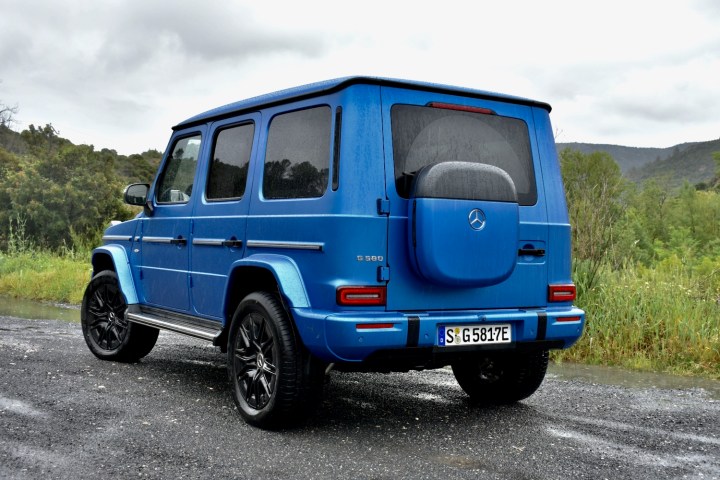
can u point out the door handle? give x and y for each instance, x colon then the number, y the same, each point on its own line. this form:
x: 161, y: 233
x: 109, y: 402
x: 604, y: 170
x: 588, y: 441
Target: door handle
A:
x: 232, y: 243
x: 179, y: 241
x: 533, y: 252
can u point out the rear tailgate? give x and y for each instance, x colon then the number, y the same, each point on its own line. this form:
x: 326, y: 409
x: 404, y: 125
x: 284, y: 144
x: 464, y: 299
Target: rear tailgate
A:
x: 463, y: 242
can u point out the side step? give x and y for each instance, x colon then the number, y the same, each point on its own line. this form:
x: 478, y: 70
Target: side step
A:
x: 185, y: 324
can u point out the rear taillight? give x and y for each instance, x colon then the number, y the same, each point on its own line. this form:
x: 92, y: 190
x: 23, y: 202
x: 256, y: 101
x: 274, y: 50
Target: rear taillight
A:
x: 461, y: 108
x: 361, y: 296
x: 561, y: 293
x: 374, y: 326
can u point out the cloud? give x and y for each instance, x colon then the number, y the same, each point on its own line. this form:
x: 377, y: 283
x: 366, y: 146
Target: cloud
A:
x: 71, y: 39
x: 120, y: 73
x: 215, y: 32
x: 111, y: 64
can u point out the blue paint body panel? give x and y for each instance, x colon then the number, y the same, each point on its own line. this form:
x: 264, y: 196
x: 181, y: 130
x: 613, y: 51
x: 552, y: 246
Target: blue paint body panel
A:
x: 357, y: 230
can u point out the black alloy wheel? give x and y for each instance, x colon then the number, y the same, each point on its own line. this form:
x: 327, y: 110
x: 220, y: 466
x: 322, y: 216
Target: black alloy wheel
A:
x: 107, y: 326
x: 275, y: 382
x: 255, y: 361
x: 108, y: 334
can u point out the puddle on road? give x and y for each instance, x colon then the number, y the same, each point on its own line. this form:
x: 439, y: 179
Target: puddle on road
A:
x: 15, y: 307
x: 627, y: 378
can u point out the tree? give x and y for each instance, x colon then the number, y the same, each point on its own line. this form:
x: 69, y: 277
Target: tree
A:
x: 63, y: 198
x: 7, y: 115
x: 593, y: 187
x: 43, y: 142
x: 716, y: 180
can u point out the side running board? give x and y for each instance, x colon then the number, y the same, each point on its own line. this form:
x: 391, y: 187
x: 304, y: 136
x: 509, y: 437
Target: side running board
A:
x: 184, y: 324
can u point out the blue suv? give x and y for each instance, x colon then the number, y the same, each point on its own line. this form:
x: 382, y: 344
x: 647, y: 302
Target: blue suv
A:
x: 357, y: 224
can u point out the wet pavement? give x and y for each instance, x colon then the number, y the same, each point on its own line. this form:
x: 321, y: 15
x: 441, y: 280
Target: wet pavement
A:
x: 64, y: 414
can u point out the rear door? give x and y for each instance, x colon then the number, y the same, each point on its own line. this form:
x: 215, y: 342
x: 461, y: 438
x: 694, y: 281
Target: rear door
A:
x: 468, y: 224
x: 220, y: 217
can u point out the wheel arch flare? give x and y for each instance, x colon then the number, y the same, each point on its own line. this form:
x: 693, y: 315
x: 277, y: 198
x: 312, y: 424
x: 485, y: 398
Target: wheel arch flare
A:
x: 114, y: 257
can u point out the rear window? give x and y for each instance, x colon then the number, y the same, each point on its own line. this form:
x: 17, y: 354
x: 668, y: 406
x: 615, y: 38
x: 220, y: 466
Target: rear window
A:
x: 425, y: 135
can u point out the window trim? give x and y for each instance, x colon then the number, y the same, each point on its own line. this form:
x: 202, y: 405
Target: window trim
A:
x: 337, y: 138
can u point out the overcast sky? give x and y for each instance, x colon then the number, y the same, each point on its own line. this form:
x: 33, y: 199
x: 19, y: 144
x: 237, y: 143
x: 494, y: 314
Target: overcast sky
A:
x: 119, y: 73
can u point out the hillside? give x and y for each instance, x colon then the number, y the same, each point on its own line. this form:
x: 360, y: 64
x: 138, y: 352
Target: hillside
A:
x: 688, y: 161
x: 628, y: 158
x: 694, y: 164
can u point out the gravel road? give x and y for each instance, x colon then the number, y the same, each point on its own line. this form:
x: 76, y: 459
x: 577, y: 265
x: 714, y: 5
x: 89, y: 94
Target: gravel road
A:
x: 64, y: 414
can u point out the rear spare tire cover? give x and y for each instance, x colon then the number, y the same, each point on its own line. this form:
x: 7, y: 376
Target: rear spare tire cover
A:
x: 463, y: 224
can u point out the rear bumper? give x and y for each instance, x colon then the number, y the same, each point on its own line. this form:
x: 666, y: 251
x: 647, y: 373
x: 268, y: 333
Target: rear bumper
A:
x: 340, y: 337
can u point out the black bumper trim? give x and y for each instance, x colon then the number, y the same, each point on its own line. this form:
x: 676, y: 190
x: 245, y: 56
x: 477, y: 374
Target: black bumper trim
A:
x: 413, y: 336
x: 541, y: 326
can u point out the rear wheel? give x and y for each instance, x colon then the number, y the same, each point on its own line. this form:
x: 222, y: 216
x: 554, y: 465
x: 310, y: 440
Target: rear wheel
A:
x: 107, y: 332
x: 274, y: 379
x: 502, y: 378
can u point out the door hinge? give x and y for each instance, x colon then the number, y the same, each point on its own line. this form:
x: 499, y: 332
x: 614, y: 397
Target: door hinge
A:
x: 383, y: 274
x: 383, y: 206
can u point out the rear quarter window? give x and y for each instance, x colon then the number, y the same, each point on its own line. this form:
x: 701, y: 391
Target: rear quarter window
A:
x: 297, y: 160
x: 426, y: 135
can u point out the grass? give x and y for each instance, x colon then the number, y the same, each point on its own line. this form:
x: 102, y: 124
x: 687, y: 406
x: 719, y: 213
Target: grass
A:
x: 44, y: 276
x: 663, y: 319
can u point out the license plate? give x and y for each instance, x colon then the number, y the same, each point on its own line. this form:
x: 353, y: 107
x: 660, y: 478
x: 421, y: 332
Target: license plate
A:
x: 459, y: 335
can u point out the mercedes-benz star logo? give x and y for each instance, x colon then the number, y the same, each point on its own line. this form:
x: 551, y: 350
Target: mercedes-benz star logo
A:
x: 476, y: 218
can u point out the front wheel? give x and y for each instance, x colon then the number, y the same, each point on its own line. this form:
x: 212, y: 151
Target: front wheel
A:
x: 274, y: 380
x: 108, y: 334
x: 502, y: 378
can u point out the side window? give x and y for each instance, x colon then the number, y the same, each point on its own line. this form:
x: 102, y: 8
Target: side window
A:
x: 297, y: 160
x: 176, y: 182
x: 230, y: 160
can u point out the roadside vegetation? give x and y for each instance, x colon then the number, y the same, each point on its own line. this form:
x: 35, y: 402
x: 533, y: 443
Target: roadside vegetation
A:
x: 45, y: 276
x: 56, y: 199
x: 646, y: 261
x: 646, y: 256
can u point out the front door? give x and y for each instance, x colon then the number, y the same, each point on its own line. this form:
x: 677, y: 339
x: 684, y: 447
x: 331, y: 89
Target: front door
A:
x: 165, y: 235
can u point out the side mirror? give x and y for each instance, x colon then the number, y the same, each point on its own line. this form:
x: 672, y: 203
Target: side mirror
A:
x: 136, y: 194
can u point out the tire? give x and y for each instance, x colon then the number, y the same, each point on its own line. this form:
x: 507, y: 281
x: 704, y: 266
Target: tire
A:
x: 502, y: 378
x: 275, y: 382
x: 107, y: 332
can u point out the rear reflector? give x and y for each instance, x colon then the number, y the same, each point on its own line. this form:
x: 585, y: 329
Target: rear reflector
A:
x: 568, y: 319
x: 561, y: 293
x: 361, y: 296
x: 373, y: 326
x: 461, y: 108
